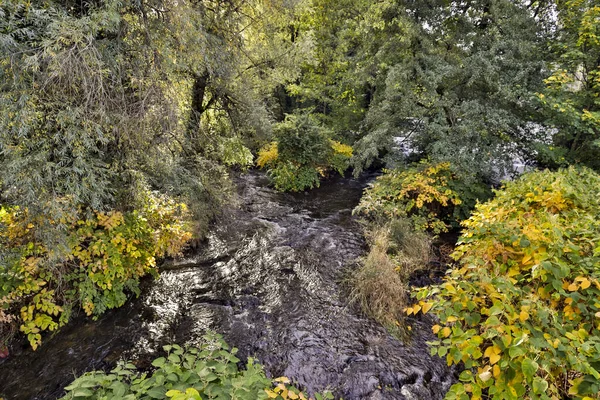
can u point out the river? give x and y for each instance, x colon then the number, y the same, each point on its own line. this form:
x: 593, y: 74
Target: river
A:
x: 268, y: 277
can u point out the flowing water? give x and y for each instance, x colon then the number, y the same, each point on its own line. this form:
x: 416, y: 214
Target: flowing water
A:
x: 267, y: 278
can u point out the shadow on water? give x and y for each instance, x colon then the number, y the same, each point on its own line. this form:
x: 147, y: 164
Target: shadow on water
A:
x: 267, y: 278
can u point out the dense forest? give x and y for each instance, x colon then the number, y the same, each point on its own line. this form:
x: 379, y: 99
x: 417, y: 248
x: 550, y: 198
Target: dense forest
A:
x: 123, y: 123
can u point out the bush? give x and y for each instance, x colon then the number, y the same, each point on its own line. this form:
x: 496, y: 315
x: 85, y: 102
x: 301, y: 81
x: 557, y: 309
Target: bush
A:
x: 302, y: 154
x: 208, y: 372
x: 521, y: 311
x: 380, y: 284
x: 430, y: 195
x: 105, y: 256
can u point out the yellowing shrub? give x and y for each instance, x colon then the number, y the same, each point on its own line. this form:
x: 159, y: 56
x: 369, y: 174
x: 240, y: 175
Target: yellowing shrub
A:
x: 106, y: 255
x: 522, y: 310
x: 267, y: 155
x: 423, y: 194
x: 341, y: 149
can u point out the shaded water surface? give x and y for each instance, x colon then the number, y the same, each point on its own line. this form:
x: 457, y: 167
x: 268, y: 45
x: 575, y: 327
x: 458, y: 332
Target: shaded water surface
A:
x: 268, y: 279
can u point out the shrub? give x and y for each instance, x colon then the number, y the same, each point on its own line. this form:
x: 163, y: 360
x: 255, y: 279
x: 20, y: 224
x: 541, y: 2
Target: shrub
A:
x: 207, y: 372
x: 268, y: 155
x: 521, y: 311
x: 430, y: 195
x: 302, y: 154
x: 105, y: 256
x: 380, y: 284
x: 290, y: 177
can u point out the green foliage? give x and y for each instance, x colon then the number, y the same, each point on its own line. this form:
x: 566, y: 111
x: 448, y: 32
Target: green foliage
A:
x: 97, y: 96
x: 100, y: 100
x: 449, y: 82
x: 207, y: 372
x: 287, y: 176
x: 105, y: 257
x: 302, y: 154
x: 430, y: 195
x: 521, y: 309
x: 571, y: 99
x: 330, y: 87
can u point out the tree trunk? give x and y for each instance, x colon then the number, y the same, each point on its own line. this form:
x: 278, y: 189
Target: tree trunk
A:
x: 198, y: 93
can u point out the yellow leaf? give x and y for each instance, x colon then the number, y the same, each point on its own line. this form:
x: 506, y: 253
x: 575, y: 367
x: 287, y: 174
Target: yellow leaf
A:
x: 292, y: 395
x: 574, y: 384
x: 573, y: 287
x: 585, y: 284
x: 426, y: 307
x: 523, y: 316
x: 494, y: 358
x: 496, y: 371
x: 446, y: 332
x: 283, y: 379
x: 436, y: 328
x: 485, y: 376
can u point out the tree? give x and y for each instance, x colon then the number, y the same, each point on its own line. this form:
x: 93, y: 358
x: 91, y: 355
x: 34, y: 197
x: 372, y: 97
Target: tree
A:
x: 100, y: 99
x: 460, y: 87
x: 571, y: 99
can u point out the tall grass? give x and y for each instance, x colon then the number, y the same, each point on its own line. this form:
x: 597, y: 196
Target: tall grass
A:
x: 380, y: 285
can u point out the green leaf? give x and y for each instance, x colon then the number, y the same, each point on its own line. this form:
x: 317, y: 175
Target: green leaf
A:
x: 466, y: 376
x: 118, y: 389
x: 515, y: 352
x: 159, y: 362
x: 539, y: 385
x: 529, y: 368
x: 82, y: 392
x: 157, y: 392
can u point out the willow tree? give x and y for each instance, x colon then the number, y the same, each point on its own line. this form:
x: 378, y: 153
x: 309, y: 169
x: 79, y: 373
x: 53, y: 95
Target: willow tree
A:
x: 100, y: 98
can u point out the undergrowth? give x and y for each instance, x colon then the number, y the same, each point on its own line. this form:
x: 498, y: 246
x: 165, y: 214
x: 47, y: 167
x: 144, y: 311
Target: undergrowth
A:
x: 207, y: 372
x: 103, y: 258
x: 380, y: 284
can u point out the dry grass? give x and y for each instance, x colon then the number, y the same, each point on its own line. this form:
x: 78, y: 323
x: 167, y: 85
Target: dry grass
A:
x: 380, y: 284
x: 410, y: 250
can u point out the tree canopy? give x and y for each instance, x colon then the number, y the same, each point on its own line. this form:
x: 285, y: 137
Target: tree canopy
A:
x: 100, y: 97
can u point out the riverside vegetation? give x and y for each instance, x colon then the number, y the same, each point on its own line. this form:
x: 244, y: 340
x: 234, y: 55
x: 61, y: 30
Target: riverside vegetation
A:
x: 208, y: 372
x: 122, y: 121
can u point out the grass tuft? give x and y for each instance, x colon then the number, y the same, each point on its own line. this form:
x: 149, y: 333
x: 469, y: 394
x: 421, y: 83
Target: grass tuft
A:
x: 380, y: 284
